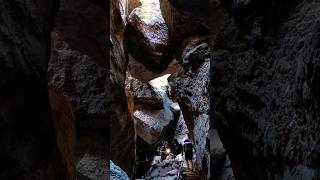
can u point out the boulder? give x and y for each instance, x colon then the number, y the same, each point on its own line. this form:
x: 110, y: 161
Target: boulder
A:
x: 150, y: 123
x: 116, y: 173
x: 148, y: 38
x: 140, y: 72
x: 143, y: 93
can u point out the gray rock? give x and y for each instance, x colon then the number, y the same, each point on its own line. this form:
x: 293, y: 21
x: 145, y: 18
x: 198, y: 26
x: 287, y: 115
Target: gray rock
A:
x: 92, y: 167
x: 116, y: 173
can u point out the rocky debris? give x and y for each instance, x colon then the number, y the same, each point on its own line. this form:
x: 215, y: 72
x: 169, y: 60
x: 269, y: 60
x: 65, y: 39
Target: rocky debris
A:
x: 148, y: 38
x: 143, y: 93
x: 123, y: 130
x: 140, y: 72
x: 82, y: 23
x: 116, y: 173
x: 167, y: 169
x: 185, y: 18
x: 265, y: 90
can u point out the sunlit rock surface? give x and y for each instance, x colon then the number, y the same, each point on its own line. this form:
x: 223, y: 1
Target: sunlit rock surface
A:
x: 116, y: 173
x: 148, y: 38
x: 143, y: 93
x: 154, y: 114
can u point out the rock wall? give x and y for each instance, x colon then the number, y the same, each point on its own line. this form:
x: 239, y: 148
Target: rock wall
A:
x: 122, y: 131
x: 265, y: 88
x: 30, y: 141
x: 83, y: 82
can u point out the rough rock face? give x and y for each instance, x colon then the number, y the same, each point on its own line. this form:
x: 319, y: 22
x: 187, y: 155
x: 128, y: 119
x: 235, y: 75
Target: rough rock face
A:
x: 151, y: 110
x: 29, y: 141
x: 140, y: 72
x: 83, y: 24
x: 143, y: 93
x: 122, y: 131
x: 148, y: 38
x: 84, y: 84
x: 265, y: 72
x: 190, y: 89
x: 185, y: 18
x: 167, y: 169
x: 65, y: 129
x: 116, y: 173
x: 82, y: 81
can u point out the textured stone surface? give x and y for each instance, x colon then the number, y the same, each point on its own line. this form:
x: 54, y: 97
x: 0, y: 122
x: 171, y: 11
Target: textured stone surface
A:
x: 30, y: 147
x: 140, y: 72
x: 148, y: 38
x: 265, y: 90
x: 122, y: 131
x: 83, y: 82
x: 185, y: 18
x: 83, y: 24
x: 190, y: 89
x: 143, y: 93
x: 116, y: 173
x: 92, y: 167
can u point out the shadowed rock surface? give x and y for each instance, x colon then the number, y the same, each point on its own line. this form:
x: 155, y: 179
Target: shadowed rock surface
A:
x: 83, y: 82
x: 185, y: 18
x: 265, y: 89
x: 121, y: 121
x: 30, y: 147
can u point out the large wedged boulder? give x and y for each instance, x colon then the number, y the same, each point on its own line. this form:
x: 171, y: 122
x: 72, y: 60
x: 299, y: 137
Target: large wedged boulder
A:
x: 148, y: 38
x: 265, y: 91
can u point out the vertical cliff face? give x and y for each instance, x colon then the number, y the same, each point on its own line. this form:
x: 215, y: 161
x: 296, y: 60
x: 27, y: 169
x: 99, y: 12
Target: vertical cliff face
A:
x: 265, y: 89
x: 122, y: 125
x: 29, y: 142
